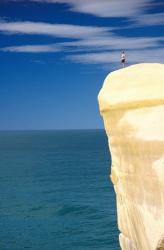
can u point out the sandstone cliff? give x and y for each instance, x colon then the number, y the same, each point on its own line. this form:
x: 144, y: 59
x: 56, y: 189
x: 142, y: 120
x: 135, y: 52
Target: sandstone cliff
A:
x: 132, y: 105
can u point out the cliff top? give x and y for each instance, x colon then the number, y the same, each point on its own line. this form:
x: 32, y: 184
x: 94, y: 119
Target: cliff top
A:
x: 133, y: 87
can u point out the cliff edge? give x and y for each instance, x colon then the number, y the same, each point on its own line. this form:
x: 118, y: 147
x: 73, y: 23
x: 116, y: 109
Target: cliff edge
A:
x: 131, y: 102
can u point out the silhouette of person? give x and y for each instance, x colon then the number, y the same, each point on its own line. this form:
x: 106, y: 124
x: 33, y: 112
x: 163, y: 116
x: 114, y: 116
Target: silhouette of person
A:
x: 123, y: 59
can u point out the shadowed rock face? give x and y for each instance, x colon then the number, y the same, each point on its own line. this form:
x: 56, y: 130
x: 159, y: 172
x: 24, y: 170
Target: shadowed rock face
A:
x: 132, y: 105
x: 160, y: 245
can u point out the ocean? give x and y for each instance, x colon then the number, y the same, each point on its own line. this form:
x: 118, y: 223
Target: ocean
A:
x: 55, y: 192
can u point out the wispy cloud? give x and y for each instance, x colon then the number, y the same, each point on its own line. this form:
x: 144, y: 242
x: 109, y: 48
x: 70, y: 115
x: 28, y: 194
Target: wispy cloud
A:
x: 151, y: 55
x: 101, y: 40
x: 94, y: 43
x: 56, y: 30
x: 149, y: 19
x: 104, y: 8
x: 85, y: 37
x: 105, y: 43
x: 32, y: 48
x: 135, y: 10
x: 114, y: 42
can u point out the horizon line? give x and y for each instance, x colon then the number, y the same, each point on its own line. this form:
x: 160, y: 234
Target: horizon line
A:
x: 63, y: 129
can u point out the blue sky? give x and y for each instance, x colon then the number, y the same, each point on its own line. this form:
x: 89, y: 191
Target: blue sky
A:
x: 55, y: 54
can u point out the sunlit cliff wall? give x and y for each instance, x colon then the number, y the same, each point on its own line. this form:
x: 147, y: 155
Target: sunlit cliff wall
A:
x: 131, y: 102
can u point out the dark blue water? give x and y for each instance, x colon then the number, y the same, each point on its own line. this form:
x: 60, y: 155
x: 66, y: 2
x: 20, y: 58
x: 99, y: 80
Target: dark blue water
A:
x: 55, y: 191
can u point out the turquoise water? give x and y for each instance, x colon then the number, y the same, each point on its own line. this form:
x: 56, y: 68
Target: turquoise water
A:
x: 55, y: 191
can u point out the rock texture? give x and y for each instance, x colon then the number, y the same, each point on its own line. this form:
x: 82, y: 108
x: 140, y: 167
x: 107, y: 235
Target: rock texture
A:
x: 132, y: 105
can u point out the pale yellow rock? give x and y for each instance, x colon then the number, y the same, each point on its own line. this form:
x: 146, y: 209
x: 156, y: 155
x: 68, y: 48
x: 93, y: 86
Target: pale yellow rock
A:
x: 132, y: 105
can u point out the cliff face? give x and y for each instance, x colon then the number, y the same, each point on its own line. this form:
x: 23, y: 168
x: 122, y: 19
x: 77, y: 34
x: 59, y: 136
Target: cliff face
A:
x: 132, y: 105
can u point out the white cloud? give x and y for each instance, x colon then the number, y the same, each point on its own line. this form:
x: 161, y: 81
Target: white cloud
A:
x: 149, y: 19
x: 104, y: 8
x: 95, y: 58
x: 136, y: 56
x: 114, y: 42
x: 86, y: 39
x: 56, y: 30
x: 89, y: 44
x: 133, y: 9
x: 32, y: 48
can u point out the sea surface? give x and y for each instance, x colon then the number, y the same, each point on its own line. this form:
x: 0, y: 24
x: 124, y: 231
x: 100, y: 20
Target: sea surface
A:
x: 55, y: 192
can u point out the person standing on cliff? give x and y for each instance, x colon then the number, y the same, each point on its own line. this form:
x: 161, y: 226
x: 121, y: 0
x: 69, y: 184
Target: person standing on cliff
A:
x: 123, y: 59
